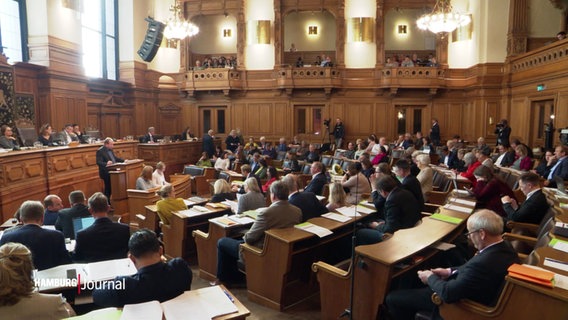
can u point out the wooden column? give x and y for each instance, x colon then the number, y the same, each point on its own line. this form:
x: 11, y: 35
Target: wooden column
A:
x: 380, y: 34
x: 278, y: 33
x: 340, y: 35
x: 518, y: 27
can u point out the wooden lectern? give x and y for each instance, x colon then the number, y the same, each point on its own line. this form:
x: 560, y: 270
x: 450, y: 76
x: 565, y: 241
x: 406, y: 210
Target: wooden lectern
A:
x: 122, y: 177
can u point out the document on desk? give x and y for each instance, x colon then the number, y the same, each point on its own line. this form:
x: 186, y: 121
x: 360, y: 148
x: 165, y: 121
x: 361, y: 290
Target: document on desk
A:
x: 312, y: 228
x: 349, y: 211
x: 556, y: 264
x: 445, y: 218
x: 241, y: 220
x: 455, y: 207
x: 100, y: 314
x: 205, y: 303
x: 365, y: 209
x: 559, y: 244
x: 336, y: 217
x: 150, y: 310
x: 234, y: 205
x: 195, y: 211
x: 468, y: 203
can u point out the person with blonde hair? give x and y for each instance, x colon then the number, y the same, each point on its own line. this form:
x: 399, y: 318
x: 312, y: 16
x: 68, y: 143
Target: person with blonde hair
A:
x: 144, y: 181
x: 168, y: 205
x: 426, y: 175
x: 337, y: 197
x: 18, y: 299
x: 158, y: 176
x: 222, y: 191
x: 252, y: 199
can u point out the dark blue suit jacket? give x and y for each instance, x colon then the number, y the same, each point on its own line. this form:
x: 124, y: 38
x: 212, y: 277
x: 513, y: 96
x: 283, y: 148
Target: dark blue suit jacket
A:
x: 103, y: 158
x: 307, y: 202
x: 160, y: 281
x: 412, y: 184
x: 530, y: 211
x: 64, y: 222
x: 208, y: 145
x: 104, y: 240
x: 401, y: 211
x: 560, y: 171
x: 317, y: 184
x: 47, y: 246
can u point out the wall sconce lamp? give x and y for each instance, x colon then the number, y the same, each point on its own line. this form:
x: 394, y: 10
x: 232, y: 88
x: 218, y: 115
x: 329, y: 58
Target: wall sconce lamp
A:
x: 312, y: 30
x: 361, y: 29
x: 258, y: 32
x: 226, y: 33
x: 402, y: 29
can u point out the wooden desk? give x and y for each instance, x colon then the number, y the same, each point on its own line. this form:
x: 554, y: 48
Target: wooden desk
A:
x: 174, y: 154
x: 206, y: 244
x: 242, y: 312
x: 35, y: 173
x: 279, y: 275
x: 123, y: 177
x: 178, y: 241
x: 11, y: 222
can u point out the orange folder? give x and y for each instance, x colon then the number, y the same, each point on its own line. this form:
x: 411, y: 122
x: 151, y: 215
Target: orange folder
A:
x: 538, y: 276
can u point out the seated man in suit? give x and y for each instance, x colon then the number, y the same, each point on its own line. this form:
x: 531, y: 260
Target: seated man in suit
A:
x: 319, y: 179
x: 280, y: 214
x: 65, y: 216
x: 401, y: 211
x: 560, y: 169
x: 307, y: 201
x: 155, y: 279
x: 104, y: 239
x: 150, y: 136
x: 246, y: 172
x: 408, y: 181
x: 52, y: 205
x: 67, y: 135
x: 535, y: 206
x: 47, y: 246
x: 480, y: 279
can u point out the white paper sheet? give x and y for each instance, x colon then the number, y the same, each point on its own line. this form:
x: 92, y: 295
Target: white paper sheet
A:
x: 336, y: 217
x: 312, y: 228
x: 151, y: 310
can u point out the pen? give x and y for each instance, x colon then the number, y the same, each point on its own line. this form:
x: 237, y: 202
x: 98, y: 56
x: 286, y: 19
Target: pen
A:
x: 229, y: 296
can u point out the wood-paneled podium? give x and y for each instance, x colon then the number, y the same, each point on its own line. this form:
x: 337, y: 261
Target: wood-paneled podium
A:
x: 122, y: 177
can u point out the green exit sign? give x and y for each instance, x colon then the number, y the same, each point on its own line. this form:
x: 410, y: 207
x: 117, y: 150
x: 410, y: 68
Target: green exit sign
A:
x: 540, y: 87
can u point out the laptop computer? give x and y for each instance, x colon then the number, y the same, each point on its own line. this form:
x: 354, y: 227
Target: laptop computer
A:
x: 82, y: 223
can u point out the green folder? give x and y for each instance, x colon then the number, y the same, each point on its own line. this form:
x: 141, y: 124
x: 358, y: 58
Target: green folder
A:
x: 445, y: 218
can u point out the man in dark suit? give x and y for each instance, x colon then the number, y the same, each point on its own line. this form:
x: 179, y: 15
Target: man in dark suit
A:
x: 503, y: 132
x: 155, y: 279
x: 104, y: 239
x: 408, y: 181
x: 480, y: 279
x: 47, y: 246
x: 105, y: 158
x: 506, y: 156
x: 65, y: 217
x: 307, y: 202
x: 535, y: 206
x: 401, y: 211
x: 150, y: 137
x: 246, y: 172
x: 560, y: 169
x: 280, y: 214
x: 52, y: 205
x: 208, y: 144
x: 319, y: 180
x: 435, y: 132
x: 313, y: 154
x: 450, y: 159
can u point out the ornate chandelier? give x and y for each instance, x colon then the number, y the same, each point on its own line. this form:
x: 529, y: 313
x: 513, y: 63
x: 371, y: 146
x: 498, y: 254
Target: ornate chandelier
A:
x: 442, y: 19
x: 177, y: 28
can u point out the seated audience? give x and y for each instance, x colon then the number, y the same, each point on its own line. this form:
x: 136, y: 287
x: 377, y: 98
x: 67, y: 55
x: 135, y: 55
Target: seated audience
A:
x: 271, y: 175
x: 418, y: 142
x: 280, y: 214
x: 261, y: 169
x: 489, y: 190
x: 517, y: 142
x: 187, y: 135
x: 401, y: 211
x: 282, y: 146
x: 408, y: 181
x: 371, y: 142
x: 407, y: 62
x: 337, y: 197
x: 523, y: 161
x: 222, y: 191
x: 471, y: 163
x: 204, y: 161
x: 269, y: 152
x: 246, y: 172
x: 366, y: 167
x: 482, y: 156
x: 45, y: 135
x: 350, y: 152
x: 480, y: 279
x: 65, y: 217
x: 291, y: 163
x: 158, y: 176
x: 546, y: 163
x: 19, y: 298
x: 382, y: 156
x: 560, y: 169
x: 168, y: 205
x: 383, y: 170
x: 52, y: 205
x: 232, y: 141
x: 428, y: 146
x: 47, y: 246
x: 150, y: 136
x: 104, y: 239
x: 252, y: 199
x: 356, y: 183
x: 77, y: 131
x: 313, y: 154
x: 222, y: 163
x: 155, y: 279
x: 144, y: 181
x: 307, y: 201
x: 319, y: 179
x: 506, y: 156
x: 251, y: 146
x: 533, y: 209
x: 426, y: 175
x: 391, y: 63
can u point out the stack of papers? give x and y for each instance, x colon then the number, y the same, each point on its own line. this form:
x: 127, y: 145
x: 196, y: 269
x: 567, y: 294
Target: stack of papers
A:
x: 227, y: 221
x: 195, y: 211
x: 468, y: 203
x: 445, y: 218
x: 350, y: 211
x: 312, y: 228
x: 336, y: 217
x: 455, y: 207
x: 234, y: 205
x: 559, y: 244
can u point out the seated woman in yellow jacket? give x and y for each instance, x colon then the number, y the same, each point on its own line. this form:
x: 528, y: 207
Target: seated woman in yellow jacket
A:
x: 168, y: 204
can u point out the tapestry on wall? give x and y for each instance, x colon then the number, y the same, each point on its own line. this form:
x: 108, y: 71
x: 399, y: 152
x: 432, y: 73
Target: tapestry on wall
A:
x: 25, y: 109
x: 6, y: 97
